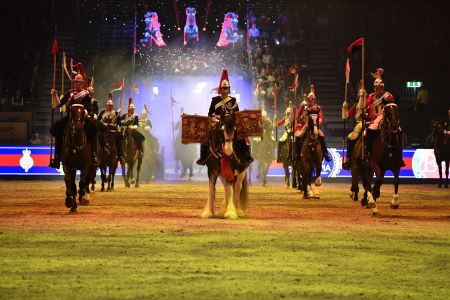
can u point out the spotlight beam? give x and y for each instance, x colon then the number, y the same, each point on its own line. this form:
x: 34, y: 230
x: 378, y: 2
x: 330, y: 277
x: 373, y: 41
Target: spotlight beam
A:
x: 175, y: 8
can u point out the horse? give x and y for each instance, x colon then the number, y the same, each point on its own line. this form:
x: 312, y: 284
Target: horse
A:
x: 191, y: 28
x: 264, y: 151
x: 222, y: 162
x: 76, y: 155
x: 131, y: 154
x: 441, y: 145
x: 109, y: 158
x: 386, y: 154
x: 311, y: 158
x: 285, y: 157
x: 185, y: 154
x: 360, y: 170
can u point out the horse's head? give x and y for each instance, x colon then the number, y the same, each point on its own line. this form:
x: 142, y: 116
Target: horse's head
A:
x: 77, y: 116
x: 228, y: 127
x: 313, y: 124
x: 391, y: 117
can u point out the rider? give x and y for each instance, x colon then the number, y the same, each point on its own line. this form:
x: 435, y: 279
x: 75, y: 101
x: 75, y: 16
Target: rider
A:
x: 224, y: 105
x: 312, y: 108
x: 144, y: 121
x: 110, y: 116
x: 355, y: 110
x: 286, y: 121
x: 77, y: 95
x: 131, y: 120
x: 374, y: 108
x: 300, y: 120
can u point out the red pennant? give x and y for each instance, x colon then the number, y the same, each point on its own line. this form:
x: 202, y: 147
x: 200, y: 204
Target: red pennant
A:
x: 355, y: 46
x: 55, y: 47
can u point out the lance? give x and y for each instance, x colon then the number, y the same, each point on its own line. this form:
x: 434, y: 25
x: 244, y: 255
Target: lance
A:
x: 54, y: 52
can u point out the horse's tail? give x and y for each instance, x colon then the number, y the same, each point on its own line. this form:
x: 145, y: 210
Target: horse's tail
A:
x: 243, y: 196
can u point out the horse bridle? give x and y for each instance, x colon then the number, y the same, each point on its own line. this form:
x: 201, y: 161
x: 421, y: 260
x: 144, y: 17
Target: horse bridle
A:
x: 387, y: 127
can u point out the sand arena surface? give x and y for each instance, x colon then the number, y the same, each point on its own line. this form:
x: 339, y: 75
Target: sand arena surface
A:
x: 150, y: 243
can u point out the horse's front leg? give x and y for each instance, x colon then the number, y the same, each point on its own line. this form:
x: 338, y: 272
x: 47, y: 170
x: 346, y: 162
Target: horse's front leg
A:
x: 236, y: 194
x: 394, y: 201
x: 446, y: 173
x: 84, y: 195
x: 208, y: 211
x: 138, y: 170
x: 71, y: 189
x: 439, y: 164
x: 230, y: 212
x: 125, y: 174
x: 286, y: 174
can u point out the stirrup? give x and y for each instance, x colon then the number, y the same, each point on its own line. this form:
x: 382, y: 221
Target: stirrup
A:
x: 201, y: 161
x: 56, y: 164
x: 347, y: 165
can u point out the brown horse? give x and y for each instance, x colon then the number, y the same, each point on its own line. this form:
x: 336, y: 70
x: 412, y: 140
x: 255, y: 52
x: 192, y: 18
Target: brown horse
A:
x: 224, y: 163
x: 311, y: 158
x: 109, y: 158
x: 441, y: 145
x: 131, y: 154
x: 386, y: 154
x: 76, y: 155
x: 360, y: 170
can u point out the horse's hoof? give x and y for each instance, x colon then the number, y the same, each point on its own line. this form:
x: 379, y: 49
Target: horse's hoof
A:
x: 207, y: 214
x: 73, y: 210
x: 371, y: 205
x: 394, y: 206
x: 85, y: 202
x: 136, y: 185
x: 318, y: 181
x: 364, y: 202
x: 102, y: 190
x: 230, y: 215
x: 375, y: 211
x: 241, y: 213
x: 69, y: 202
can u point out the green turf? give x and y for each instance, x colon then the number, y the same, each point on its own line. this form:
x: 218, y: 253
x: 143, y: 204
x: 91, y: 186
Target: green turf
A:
x: 226, y: 263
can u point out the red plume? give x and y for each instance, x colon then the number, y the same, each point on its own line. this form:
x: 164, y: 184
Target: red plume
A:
x: 224, y: 77
x: 55, y: 47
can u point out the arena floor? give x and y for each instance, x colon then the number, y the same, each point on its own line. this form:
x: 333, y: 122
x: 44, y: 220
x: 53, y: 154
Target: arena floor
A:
x: 149, y: 242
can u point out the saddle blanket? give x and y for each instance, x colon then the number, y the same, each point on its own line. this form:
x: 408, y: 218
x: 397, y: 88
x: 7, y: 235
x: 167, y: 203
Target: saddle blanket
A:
x: 248, y: 123
x: 194, y: 129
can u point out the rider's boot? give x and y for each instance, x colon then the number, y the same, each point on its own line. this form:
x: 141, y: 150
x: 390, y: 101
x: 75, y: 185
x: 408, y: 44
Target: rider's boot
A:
x: 347, y: 165
x: 324, y: 148
x: 203, y: 151
x: 56, y: 161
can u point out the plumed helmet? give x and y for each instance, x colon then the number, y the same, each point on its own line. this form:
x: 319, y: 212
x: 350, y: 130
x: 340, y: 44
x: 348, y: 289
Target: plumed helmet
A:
x: 130, y: 104
x: 224, y: 82
x: 312, y: 94
x: 288, y: 111
x: 378, y: 82
x: 110, y: 100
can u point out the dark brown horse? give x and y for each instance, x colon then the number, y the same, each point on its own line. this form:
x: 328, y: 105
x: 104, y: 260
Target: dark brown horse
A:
x: 76, y: 155
x: 109, y: 158
x: 311, y: 158
x: 224, y: 163
x: 441, y: 145
x: 131, y: 154
x: 386, y: 154
x: 360, y: 170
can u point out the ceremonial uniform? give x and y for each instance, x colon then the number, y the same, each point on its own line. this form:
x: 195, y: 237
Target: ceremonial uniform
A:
x: 311, y: 108
x: 109, y: 119
x: 78, y: 95
x: 220, y: 107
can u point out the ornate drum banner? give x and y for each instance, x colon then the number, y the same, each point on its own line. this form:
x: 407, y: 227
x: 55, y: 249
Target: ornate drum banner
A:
x: 194, y: 129
x: 248, y: 123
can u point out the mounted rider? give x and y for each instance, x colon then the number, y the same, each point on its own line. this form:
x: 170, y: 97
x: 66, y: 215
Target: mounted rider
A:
x: 374, y: 109
x: 79, y: 94
x: 224, y: 105
x: 287, y: 122
x: 312, y: 108
x: 109, y: 118
x: 356, y: 111
x: 131, y: 120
